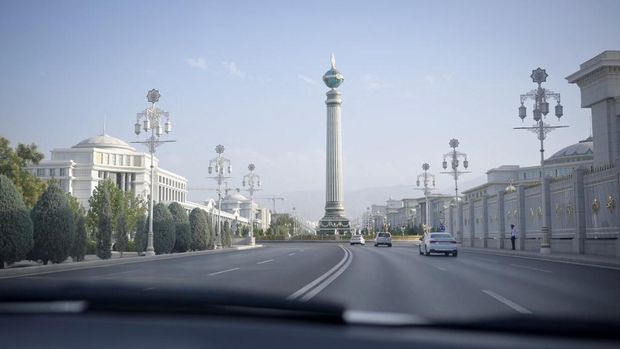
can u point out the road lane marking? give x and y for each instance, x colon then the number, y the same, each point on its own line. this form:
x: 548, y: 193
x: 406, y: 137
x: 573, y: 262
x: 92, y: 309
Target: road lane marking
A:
x: 507, y: 302
x: 267, y: 261
x: 327, y: 282
x: 120, y: 273
x: 299, y: 293
x: 483, y: 259
x: 223, y: 271
x: 149, y: 288
x: 531, y: 268
x: 440, y: 268
x: 291, y: 254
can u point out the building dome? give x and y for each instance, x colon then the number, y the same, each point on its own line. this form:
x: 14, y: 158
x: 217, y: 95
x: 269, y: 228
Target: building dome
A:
x: 103, y: 141
x: 582, y: 151
x: 234, y: 197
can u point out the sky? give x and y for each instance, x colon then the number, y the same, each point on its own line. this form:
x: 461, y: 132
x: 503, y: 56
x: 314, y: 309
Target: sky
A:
x: 247, y: 74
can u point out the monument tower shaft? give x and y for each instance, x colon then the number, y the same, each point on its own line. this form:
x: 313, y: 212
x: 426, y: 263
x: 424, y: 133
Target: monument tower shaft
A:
x: 334, y: 179
x: 334, y: 221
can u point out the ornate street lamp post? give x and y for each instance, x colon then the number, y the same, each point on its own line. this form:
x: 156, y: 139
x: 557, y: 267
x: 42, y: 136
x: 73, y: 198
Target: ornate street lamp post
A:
x: 150, y: 120
x: 540, y: 96
x: 454, y: 157
x: 252, y: 180
x: 223, y: 169
x: 428, y: 185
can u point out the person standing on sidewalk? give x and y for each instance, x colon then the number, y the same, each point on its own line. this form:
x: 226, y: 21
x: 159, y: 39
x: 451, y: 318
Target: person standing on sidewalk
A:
x: 514, y: 234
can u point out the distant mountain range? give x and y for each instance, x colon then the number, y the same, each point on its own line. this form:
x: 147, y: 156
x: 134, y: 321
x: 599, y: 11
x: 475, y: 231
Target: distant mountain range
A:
x: 311, y: 203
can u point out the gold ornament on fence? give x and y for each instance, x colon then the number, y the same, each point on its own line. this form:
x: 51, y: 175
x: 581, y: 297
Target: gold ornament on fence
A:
x: 596, y: 205
x: 514, y: 214
x: 558, y: 210
x: 531, y: 212
x: 611, y: 204
x: 570, y: 209
x: 540, y: 213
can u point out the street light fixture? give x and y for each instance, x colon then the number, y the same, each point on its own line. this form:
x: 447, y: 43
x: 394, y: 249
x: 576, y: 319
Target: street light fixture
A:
x: 540, y: 96
x: 150, y: 120
x: 222, y: 168
x: 428, y: 185
x: 454, y: 157
x: 252, y: 180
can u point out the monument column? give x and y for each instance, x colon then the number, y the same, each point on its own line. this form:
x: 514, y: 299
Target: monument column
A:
x: 334, y: 220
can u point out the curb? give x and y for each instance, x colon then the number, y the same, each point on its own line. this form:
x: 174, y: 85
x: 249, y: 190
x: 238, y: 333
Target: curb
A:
x: 101, y: 263
x: 612, y: 262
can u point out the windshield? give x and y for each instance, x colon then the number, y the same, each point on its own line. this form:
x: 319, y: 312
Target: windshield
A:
x: 305, y: 150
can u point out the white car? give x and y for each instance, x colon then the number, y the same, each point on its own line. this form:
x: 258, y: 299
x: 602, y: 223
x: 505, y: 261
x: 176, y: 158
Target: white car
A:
x: 383, y: 238
x: 438, y: 243
x: 358, y: 240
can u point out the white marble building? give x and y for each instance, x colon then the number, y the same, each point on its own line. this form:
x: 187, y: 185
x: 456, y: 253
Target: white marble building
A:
x: 79, y: 170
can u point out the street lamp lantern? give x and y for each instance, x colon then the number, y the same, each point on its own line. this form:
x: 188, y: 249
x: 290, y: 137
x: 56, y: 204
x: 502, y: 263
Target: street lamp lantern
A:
x: 219, y: 163
x: 541, y: 96
x: 252, y: 180
x: 151, y: 116
x: 427, y: 179
x: 454, y: 157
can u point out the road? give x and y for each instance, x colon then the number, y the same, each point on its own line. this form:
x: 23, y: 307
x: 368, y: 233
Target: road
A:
x: 397, y: 279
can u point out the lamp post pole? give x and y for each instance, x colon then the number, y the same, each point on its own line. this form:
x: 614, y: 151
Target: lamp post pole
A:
x: 150, y: 120
x: 428, y: 179
x: 454, y: 157
x: 253, y: 182
x: 540, y: 96
x: 223, y: 169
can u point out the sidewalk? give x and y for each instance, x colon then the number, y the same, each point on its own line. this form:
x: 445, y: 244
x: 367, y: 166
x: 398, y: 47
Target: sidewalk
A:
x: 613, y: 262
x: 26, y: 268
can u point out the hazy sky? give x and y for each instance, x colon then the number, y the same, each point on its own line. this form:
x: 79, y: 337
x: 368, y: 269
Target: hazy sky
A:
x: 247, y: 74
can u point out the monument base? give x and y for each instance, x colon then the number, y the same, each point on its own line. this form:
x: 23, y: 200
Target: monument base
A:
x: 329, y: 225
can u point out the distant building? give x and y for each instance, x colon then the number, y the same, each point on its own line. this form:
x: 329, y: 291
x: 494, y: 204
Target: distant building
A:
x: 79, y: 170
x: 560, y: 164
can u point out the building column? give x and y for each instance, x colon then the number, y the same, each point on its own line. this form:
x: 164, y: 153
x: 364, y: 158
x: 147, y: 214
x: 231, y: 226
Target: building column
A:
x: 485, y: 221
x: 501, y: 219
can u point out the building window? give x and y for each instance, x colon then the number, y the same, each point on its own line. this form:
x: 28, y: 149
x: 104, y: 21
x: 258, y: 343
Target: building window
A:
x: 52, y: 172
x: 100, y: 174
x: 63, y: 172
x: 40, y: 172
x: 98, y: 158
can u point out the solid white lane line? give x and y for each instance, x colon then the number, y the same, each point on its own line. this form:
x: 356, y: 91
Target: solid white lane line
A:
x: 329, y: 280
x: 440, y: 268
x: 507, y: 302
x: 313, y: 283
x: 120, y: 273
x: 149, y: 288
x: 291, y: 254
x: 223, y: 271
x: 267, y: 261
x: 531, y: 268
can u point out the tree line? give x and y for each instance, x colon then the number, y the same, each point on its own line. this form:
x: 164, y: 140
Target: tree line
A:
x: 40, y: 222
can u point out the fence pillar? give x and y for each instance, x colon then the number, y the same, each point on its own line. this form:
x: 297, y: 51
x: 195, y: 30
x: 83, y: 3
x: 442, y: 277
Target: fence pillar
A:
x: 521, y: 227
x: 472, y: 223
x: 485, y: 221
x: 501, y: 218
x: 459, y: 222
x: 580, y: 211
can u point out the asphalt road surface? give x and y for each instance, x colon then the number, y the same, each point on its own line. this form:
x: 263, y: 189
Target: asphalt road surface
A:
x: 397, y: 279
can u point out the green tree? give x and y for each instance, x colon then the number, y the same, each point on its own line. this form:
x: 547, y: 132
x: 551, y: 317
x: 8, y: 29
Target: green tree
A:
x: 13, y: 164
x: 163, y: 229
x: 211, y: 231
x: 121, y: 232
x: 142, y: 230
x: 54, y: 227
x: 15, y: 224
x: 198, y: 229
x: 104, y: 228
x: 78, y: 250
x: 226, y: 235
x: 183, y: 237
x: 133, y: 206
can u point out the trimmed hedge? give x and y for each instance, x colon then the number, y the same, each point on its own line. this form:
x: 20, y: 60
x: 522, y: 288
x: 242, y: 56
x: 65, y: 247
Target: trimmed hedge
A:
x: 16, y: 229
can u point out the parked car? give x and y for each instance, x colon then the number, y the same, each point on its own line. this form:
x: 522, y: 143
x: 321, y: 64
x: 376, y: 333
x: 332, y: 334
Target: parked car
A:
x: 438, y: 243
x: 383, y: 238
x: 358, y: 239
